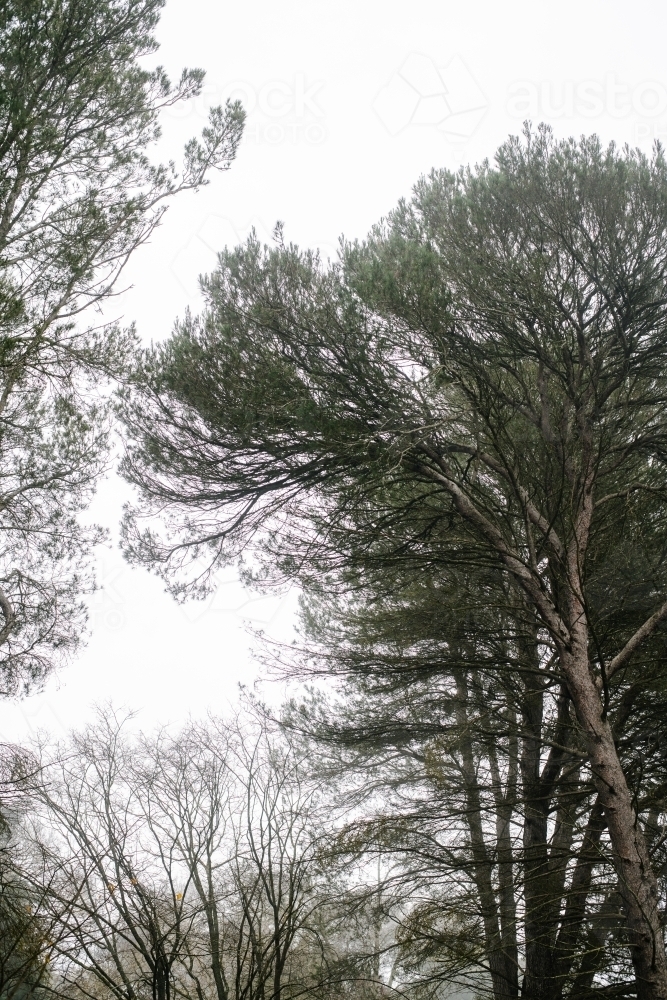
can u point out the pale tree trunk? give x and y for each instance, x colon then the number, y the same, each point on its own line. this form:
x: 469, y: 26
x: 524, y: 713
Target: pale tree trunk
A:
x: 637, y: 883
x: 569, y: 631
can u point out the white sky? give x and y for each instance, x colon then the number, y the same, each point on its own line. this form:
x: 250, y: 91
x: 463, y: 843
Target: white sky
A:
x: 348, y: 103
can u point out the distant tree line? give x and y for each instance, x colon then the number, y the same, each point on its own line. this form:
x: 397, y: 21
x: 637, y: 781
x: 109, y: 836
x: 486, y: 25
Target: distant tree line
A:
x: 186, y: 865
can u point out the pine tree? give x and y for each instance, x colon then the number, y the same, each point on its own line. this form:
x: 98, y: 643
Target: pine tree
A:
x: 489, y: 363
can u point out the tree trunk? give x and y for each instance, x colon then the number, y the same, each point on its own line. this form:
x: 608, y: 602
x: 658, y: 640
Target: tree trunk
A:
x: 538, y: 981
x: 637, y: 883
x: 501, y: 968
x: 577, y: 896
x: 505, y: 855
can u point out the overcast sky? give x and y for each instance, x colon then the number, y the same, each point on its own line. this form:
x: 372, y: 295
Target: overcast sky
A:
x: 348, y: 104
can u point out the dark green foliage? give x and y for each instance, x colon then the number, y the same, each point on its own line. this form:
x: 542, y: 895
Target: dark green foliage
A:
x: 336, y: 395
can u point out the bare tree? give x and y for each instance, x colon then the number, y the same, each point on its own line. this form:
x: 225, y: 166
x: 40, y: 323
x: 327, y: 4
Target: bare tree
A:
x: 130, y: 909
x: 189, y: 863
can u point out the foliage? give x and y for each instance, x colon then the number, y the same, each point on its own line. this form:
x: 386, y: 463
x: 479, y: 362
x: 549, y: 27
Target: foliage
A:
x: 77, y: 195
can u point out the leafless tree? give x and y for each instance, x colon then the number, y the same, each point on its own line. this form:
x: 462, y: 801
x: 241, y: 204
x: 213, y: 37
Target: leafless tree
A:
x: 192, y: 864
